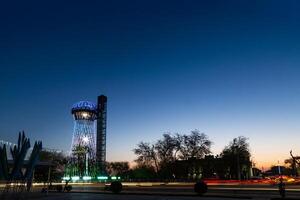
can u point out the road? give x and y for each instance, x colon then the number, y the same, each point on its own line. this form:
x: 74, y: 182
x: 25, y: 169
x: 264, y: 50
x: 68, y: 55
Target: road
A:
x: 186, y: 190
x: 94, y: 196
x: 173, y: 191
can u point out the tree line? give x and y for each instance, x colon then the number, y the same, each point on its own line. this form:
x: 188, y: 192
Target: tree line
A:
x: 189, y: 156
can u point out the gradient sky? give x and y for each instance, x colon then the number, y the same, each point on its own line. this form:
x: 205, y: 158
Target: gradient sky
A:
x: 227, y: 68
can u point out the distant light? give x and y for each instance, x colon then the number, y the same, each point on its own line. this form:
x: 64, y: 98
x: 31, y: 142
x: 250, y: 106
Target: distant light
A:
x: 86, y: 178
x: 85, y: 115
x: 119, y: 177
x: 75, y: 178
x: 102, y: 177
x: 113, y: 178
x: 85, y: 139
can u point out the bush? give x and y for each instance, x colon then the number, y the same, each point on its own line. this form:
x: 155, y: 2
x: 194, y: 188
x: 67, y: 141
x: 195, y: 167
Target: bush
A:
x: 116, y: 187
x: 200, y: 187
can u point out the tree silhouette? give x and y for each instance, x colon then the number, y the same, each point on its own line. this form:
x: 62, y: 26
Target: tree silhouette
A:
x: 236, y: 157
x: 294, y: 161
x: 195, y: 146
x: 147, y: 155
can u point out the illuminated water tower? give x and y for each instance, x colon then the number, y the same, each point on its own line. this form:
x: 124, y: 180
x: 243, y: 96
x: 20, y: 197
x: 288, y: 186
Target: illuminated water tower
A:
x: 84, y: 136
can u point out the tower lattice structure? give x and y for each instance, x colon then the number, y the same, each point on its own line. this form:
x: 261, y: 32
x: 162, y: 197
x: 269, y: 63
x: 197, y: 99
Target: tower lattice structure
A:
x: 84, y: 136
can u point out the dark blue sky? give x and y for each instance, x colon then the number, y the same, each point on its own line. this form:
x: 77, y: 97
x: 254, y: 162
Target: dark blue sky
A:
x: 227, y: 68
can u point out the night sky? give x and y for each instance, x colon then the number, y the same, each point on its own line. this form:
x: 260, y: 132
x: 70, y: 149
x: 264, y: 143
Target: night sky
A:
x: 226, y: 68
